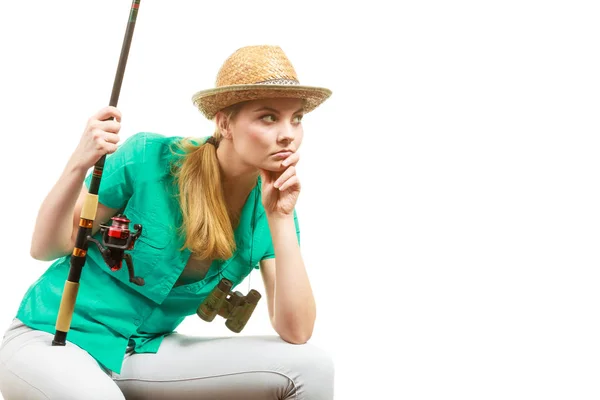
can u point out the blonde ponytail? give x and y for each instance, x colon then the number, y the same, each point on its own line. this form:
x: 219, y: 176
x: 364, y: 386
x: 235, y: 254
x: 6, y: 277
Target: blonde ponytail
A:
x: 207, y: 225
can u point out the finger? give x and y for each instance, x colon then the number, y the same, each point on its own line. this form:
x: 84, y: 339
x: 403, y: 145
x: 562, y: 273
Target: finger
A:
x: 107, y: 126
x: 293, y: 181
x: 287, y: 174
x: 291, y: 160
x: 104, y: 146
x: 99, y: 135
x: 108, y: 112
x: 110, y: 147
x: 111, y: 138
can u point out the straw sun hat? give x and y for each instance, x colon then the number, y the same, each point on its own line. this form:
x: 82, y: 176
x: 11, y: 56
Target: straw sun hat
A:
x: 256, y: 72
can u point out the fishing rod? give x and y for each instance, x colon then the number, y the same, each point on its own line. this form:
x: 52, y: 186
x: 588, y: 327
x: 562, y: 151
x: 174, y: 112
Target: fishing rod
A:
x: 116, y: 238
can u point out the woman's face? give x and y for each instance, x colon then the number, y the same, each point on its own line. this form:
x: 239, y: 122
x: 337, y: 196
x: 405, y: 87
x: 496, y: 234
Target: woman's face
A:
x: 266, y: 132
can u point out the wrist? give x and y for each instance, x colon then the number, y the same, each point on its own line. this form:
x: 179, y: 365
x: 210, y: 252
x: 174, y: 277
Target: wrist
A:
x: 75, y: 167
x: 277, y: 217
x: 281, y: 223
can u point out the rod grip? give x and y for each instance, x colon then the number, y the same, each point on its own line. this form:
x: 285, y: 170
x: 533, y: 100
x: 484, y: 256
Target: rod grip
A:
x: 67, y: 306
x: 90, y: 207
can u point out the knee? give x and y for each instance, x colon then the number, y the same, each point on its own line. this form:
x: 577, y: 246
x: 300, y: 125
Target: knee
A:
x: 15, y: 387
x: 310, y: 369
x: 314, y: 357
x: 51, y: 377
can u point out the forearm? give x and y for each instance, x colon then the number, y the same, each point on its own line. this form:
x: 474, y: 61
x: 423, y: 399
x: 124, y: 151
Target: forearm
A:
x: 52, y: 236
x: 294, y: 305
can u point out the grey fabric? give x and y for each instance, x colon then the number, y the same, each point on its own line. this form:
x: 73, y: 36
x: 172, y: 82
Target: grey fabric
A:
x: 185, y: 367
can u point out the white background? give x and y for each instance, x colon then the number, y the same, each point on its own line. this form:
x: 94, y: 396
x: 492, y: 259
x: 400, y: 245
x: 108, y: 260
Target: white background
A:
x: 449, y: 211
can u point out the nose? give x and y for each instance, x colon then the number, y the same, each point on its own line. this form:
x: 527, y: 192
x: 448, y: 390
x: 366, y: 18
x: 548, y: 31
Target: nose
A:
x: 287, y: 133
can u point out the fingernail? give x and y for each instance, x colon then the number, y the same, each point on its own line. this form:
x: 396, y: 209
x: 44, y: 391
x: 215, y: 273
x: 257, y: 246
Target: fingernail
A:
x: 276, y: 184
x: 284, y: 163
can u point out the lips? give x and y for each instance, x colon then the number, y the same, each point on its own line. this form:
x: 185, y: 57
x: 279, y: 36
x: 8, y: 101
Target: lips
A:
x: 283, y: 151
x: 282, y: 154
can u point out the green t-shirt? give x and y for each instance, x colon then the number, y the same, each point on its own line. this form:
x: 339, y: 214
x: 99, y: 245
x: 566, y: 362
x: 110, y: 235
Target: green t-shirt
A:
x: 112, y: 313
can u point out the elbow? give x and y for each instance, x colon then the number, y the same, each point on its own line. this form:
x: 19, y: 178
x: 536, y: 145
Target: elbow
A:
x: 35, y: 252
x: 40, y: 253
x: 293, y: 328
x: 295, y: 335
x: 297, y: 339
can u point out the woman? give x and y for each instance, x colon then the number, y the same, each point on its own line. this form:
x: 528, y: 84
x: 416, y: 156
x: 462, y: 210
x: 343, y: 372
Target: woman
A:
x: 210, y: 209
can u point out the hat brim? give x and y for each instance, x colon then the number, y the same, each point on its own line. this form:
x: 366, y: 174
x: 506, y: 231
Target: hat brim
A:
x: 210, y: 101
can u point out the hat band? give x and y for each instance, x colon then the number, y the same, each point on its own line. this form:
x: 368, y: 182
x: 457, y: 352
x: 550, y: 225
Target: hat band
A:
x: 279, y: 82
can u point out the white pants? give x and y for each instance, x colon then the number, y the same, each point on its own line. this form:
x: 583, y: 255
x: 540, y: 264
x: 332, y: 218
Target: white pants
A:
x: 185, y: 367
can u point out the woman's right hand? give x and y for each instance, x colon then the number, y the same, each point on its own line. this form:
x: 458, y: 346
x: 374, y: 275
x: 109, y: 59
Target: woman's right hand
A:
x: 99, y: 138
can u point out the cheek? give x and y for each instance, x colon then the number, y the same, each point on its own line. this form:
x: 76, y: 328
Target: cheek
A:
x: 255, y: 130
x: 252, y: 144
x: 254, y: 135
x: 258, y: 136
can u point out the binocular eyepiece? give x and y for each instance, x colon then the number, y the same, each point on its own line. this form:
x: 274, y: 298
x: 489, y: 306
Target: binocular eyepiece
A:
x: 234, y: 307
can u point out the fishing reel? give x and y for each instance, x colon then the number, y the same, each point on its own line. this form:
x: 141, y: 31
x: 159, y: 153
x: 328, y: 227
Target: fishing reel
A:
x: 117, y: 238
x: 234, y: 307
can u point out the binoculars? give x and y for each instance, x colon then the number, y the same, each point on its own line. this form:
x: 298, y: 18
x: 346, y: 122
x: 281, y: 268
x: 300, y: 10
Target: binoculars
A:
x: 234, y: 307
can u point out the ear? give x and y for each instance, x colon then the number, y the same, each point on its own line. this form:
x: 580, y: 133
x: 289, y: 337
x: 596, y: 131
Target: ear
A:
x: 223, y: 125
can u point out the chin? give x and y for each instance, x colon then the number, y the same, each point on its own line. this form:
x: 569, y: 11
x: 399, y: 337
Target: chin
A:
x: 273, y: 166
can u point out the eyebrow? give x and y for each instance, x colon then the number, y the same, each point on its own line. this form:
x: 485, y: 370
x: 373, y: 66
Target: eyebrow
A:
x: 265, y: 108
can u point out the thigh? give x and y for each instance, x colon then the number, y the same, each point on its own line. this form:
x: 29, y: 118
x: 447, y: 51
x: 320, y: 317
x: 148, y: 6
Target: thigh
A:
x: 31, y: 368
x: 228, y: 368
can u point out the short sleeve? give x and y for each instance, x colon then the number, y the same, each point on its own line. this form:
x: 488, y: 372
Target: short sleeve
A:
x: 118, y: 176
x: 270, y: 253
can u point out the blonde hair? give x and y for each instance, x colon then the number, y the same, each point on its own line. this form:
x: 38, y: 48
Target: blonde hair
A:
x: 207, y: 224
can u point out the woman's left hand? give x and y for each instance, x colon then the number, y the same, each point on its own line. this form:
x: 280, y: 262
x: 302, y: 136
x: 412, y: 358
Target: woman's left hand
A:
x: 280, y: 190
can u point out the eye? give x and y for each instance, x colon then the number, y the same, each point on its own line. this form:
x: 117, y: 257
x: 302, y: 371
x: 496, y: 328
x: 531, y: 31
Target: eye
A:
x: 298, y: 118
x: 268, y: 118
